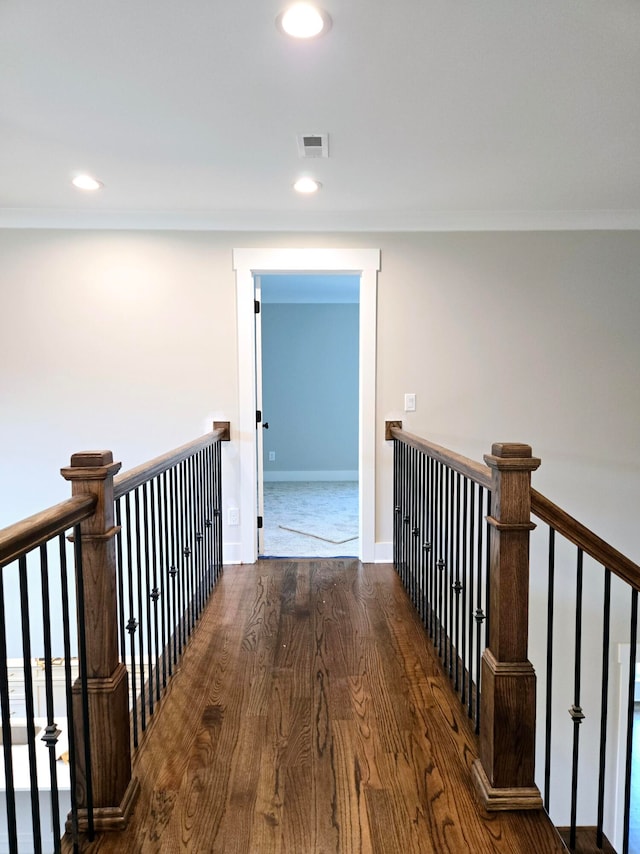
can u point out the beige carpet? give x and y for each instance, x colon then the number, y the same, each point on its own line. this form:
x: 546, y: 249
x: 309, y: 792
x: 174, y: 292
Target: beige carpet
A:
x: 311, y: 519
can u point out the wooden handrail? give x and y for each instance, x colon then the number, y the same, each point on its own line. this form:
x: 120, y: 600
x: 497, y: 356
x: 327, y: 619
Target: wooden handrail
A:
x: 135, y: 477
x: 477, y: 472
x: 541, y: 506
x: 581, y: 536
x: 29, y: 533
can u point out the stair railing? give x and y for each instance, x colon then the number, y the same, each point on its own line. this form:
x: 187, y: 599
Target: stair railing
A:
x: 463, y: 535
x: 39, y: 568
x: 136, y: 554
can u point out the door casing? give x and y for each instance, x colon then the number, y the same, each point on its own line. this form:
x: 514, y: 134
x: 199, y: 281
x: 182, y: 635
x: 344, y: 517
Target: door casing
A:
x: 248, y: 263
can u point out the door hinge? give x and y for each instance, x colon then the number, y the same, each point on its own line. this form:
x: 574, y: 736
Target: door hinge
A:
x: 258, y: 416
x: 256, y: 306
x: 260, y: 523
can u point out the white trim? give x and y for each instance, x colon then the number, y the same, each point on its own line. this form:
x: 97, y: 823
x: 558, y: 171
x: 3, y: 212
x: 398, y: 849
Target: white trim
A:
x: 323, y: 221
x: 297, y: 476
x: 231, y: 553
x: 383, y: 553
x: 366, y: 262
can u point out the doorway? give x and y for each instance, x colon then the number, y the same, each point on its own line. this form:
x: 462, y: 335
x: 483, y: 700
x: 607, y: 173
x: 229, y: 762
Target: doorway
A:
x: 309, y: 333
x: 249, y: 262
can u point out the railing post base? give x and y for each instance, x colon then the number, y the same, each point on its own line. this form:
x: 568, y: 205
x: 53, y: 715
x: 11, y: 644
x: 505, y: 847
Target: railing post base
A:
x: 109, y: 818
x: 114, y: 790
x: 494, y: 799
x: 507, y: 731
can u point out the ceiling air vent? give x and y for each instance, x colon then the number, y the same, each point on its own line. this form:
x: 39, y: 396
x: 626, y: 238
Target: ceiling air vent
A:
x: 313, y: 144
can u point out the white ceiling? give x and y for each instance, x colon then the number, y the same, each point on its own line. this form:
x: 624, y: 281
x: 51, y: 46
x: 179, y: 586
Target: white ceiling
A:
x: 441, y: 114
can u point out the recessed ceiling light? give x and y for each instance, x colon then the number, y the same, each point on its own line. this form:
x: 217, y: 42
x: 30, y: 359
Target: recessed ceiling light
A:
x: 86, y: 182
x: 307, y: 185
x: 303, y: 21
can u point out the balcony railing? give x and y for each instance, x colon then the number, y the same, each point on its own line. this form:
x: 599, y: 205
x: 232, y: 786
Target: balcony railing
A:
x: 106, y: 589
x: 463, y: 536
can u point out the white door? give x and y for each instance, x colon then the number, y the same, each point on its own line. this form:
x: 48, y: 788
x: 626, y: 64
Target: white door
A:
x: 261, y: 424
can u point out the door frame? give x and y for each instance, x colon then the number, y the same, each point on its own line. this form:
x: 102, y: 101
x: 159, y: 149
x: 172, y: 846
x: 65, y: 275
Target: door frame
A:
x: 250, y: 262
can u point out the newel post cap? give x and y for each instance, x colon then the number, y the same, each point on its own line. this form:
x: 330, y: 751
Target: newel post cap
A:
x: 515, y: 456
x: 93, y: 465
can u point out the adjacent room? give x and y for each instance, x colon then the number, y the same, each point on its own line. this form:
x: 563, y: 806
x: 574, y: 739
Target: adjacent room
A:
x: 309, y: 372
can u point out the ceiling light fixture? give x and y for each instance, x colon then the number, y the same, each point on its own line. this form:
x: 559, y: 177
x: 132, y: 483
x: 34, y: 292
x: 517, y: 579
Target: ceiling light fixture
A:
x: 303, y: 21
x: 86, y: 182
x: 307, y: 185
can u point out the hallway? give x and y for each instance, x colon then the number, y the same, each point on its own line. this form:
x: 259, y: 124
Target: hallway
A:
x: 310, y: 716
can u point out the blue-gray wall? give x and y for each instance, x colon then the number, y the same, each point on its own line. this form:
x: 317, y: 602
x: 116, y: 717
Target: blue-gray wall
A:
x: 310, y: 387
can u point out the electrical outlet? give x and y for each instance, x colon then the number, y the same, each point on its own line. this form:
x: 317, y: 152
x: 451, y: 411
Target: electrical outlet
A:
x: 233, y: 516
x: 272, y: 456
x: 409, y: 403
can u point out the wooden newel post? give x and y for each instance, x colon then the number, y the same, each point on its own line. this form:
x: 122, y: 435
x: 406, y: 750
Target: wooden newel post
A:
x: 504, y: 775
x: 114, y: 790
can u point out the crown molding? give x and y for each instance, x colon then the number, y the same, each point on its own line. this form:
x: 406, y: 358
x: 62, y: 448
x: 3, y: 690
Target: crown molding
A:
x: 325, y: 221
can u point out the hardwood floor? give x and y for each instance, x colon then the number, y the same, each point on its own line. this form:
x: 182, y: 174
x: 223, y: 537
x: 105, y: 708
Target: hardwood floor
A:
x: 310, y: 716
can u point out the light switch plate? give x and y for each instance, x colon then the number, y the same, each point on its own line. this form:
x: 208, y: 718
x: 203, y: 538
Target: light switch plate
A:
x: 409, y: 403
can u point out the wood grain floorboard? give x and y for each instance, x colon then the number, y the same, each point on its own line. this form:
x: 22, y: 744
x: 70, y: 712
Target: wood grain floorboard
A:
x: 310, y: 715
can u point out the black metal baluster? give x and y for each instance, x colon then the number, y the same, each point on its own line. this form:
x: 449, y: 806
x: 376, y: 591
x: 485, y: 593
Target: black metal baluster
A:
x: 28, y: 691
x: 51, y: 732
x: 132, y: 623
x: 173, y: 571
x: 82, y: 643
x: 575, y: 711
x: 156, y: 592
x: 184, y: 571
x: 120, y: 581
x: 68, y: 687
x: 405, y: 515
x: 192, y: 541
x: 448, y: 593
x: 396, y: 503
x: 487, y: 576
x: 408, y: 513
x: 472, y: 577
x: 465, y: 592
x: 10, y: 795
x: 456, y: 587
x: 206, y: 518
x: 604, y: 704
x: 211, y: 514
x: 141, y: 626
x: 189, y: 549
x: 549, y: 696
x: 479, y: 615
x: 218, y: 506
x: 423, y: 533
x: 165, y: 598
x: 633, y: 644
x: 440, y: 562
x: 211, y: 511
x: 426, y: 543
x: 196, y: 536
x: 200, y: 527
x: 198, y: 519
x: 414, y: 531
x: 146, y: 593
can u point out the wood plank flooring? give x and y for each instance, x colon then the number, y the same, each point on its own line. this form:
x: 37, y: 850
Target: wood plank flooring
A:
x: 309, y: 716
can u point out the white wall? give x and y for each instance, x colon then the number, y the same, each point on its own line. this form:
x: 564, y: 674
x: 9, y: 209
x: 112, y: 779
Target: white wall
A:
x: 126, y: 340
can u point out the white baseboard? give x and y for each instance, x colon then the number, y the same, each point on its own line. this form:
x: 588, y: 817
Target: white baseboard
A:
x: 383, y: 553
x: 288, y: 476
x: 231, y: 553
